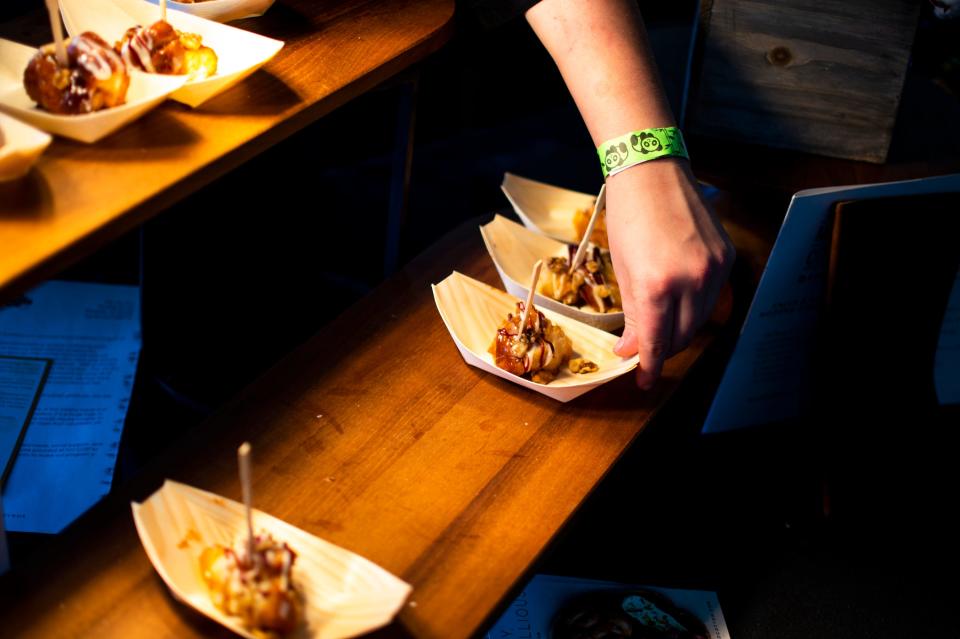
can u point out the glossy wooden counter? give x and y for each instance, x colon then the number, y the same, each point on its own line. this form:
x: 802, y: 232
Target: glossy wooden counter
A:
x: 81, y: 196
x: 378, y: 437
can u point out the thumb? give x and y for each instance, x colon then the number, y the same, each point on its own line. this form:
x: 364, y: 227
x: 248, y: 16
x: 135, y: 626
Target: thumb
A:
x: 627, y: 344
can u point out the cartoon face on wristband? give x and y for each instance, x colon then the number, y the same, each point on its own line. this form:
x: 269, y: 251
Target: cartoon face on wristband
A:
x: 615, y: 156
x: 645, y: 143
x: 635, y: 147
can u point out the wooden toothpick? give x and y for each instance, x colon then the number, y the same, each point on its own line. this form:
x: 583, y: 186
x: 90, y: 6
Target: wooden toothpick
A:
x: 243, y: 457
x: 163, y: 10
x: 53, y: 10
x: 533, y: 287
x: 600, y: 204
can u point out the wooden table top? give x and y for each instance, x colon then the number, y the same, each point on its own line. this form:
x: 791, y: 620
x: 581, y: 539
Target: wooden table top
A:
x: 376, y: 436
x: 80, y: 196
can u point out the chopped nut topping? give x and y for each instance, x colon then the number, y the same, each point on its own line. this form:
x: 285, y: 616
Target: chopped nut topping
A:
x: 581, y: 366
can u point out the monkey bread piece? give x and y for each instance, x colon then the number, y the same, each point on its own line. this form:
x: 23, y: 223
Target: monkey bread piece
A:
x: 94, y: 78
x: 160, y: 48
x: 200, y: 61
x: 538, y: 351
x: 593, y: 283
x: 558, y: 283
x: 258, y: 589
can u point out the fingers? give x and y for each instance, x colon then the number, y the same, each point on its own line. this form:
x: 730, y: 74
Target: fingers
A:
x: 654, y: 334
x: 626, y: 346
x: 671, y: 260
x: 687, y: 319
x: 661, y: 327
x: 716, y: 284
x: 697, y: 298
x: 709, y: 299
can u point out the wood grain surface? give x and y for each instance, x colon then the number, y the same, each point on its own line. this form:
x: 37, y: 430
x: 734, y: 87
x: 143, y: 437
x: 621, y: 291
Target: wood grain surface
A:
x: 80, y: 196
x: 820, y: 77
x: 376, y: 436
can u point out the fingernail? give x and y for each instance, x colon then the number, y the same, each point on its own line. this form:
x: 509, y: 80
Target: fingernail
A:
x: 618, y: 345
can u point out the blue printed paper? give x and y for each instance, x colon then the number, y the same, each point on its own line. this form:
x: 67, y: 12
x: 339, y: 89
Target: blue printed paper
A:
x: 91, y: 332
x: 4, y: 554
x: 21, y: 379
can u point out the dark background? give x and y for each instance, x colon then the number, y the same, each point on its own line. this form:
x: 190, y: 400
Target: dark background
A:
x: 238, y: 274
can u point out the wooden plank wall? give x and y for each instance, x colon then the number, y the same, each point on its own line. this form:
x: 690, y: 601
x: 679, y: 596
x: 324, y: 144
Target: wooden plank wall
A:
x: 822, y: 76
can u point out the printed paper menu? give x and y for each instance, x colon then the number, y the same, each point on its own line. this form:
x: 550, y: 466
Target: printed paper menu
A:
x: 91, y: 332
x: 21, y: 380
x: 4, y: 555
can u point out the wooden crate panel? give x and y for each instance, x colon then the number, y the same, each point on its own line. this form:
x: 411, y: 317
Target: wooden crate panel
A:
x: 821, y: 77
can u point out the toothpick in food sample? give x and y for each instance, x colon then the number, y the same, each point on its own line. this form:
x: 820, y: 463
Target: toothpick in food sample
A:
x: 53, y: 10
x: 163, y: 10
x: 600, y: 205
x: 254, y: 581
x: 243, y: 457
x: 533, y: 288
x: 530, y: 344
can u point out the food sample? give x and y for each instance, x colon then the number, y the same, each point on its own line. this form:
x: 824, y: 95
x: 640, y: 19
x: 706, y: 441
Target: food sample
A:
x: 160, y: 48
x: 593, y: 283
x: 581, y: 219
x: 537, y: 351
x: 94, y: 78
x: 641, y: 614
x: 258, y: 589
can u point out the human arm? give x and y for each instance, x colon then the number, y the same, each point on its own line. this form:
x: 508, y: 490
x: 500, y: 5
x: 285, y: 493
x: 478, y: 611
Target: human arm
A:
x: 669, y: 251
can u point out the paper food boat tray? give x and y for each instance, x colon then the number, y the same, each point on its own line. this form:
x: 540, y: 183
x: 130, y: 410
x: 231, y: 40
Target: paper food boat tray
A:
x: 20, y: 146
x: 146, y: 91
x: 344, y: 594
x: 515, y: 249
x: 472, y: 312
x: 239, y: 52
x: 545, y: 208
x: 222, y: 10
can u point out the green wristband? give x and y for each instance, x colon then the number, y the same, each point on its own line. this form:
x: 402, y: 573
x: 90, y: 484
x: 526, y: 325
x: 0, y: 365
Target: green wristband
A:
x: 632, y: 148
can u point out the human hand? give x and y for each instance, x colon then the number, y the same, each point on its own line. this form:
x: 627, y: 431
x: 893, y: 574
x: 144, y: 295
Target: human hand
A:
x: 671, y: 256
